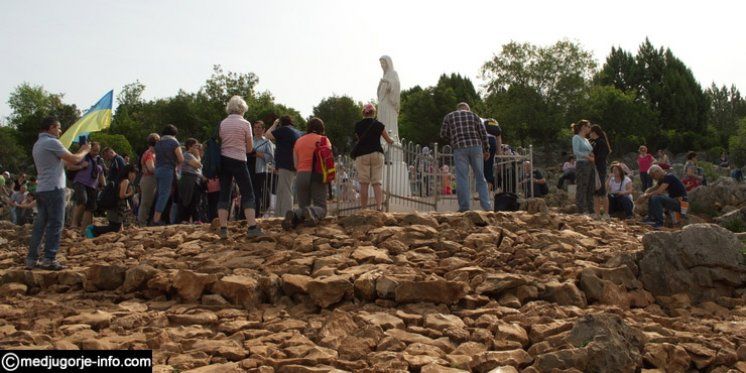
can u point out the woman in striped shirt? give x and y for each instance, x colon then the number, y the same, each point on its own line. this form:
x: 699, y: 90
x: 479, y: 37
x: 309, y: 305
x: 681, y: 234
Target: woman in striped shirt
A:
x: 236, y: 141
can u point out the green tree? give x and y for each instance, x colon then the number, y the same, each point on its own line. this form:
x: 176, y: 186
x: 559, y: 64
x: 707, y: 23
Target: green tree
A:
x: 560, y: 73
x: 626, y: 121
x: 30, y: 104
x: 117, y: 142
x: 422, y: 110
x: 12, y: 155
x: 524, y: 115
x: 737, y: 145
x: 619, y: 71
x: 726, y: 108
x: 339, y: 113
x: 663, y: 82
x: 194, y: 114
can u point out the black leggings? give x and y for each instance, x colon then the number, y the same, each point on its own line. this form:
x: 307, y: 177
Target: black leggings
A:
x: 233, y: 169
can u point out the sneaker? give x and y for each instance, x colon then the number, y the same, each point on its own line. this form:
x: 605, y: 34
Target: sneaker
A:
x: 30, y: 264
x: 290, y: 221
x: 51, y: 265
x: 223, y: 233
x: 89, y: 232
x: 311, y: 217
x: 254, y: 232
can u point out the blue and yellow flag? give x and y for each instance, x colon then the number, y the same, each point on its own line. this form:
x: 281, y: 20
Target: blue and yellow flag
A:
x: 97, y: 118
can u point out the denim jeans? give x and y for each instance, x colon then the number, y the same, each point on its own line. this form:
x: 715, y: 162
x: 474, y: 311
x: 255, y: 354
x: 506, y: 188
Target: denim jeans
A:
x: 231, y: 169
x: 164, y: 177
x: 656, y: 204
x: 463, y: 158
x: 48, y: 224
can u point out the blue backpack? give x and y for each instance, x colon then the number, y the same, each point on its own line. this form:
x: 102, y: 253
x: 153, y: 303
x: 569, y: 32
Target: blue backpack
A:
x: 211, y: 160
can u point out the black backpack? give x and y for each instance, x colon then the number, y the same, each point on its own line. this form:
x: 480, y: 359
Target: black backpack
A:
x: 108, y: 198
x: 506, y: 201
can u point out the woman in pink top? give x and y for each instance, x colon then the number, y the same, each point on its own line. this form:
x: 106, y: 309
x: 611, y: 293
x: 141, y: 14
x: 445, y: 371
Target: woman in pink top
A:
x: 235, y: 141
x: 310, y: 189
x: 644, y: 161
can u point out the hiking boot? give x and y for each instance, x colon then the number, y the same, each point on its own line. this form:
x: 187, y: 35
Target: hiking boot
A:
x: 290, y: 221
x: 30, y: 264
x: 51, y: 265
x: 254, y: 232
x: 311, y: 217
x: 223, y: 233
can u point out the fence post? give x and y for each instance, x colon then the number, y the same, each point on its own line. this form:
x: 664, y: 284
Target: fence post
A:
x: 439, y: 177
x: 531, y: 169
x: 388, y: 163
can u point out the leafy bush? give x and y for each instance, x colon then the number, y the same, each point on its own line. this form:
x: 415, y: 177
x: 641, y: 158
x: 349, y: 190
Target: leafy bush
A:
x: 735, y: 225
x: 712, y: 172
x: 117, y: 142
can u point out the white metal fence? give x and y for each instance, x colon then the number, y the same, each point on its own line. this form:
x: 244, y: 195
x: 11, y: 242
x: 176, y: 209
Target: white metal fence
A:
x: 419, y: 178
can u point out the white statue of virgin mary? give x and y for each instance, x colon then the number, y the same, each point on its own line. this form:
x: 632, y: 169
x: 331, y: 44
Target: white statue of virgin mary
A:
x: 388, y: 98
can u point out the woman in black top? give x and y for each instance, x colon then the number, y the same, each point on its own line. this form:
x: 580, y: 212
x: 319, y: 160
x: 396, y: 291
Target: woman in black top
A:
x: 368, y: 154
x: 601, y: 151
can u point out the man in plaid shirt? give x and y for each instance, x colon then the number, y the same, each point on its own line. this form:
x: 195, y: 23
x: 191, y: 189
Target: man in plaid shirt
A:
x: 468, y: 137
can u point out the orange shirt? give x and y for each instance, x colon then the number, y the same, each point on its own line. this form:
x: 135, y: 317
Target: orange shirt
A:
x: 304, y: 148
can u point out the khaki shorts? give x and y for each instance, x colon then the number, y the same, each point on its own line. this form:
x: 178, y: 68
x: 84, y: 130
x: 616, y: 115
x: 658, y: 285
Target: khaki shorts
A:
x: 370, y: 168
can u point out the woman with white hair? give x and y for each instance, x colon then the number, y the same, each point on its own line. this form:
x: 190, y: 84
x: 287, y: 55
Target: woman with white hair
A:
x: 368, y: 154
x: 236, y: 140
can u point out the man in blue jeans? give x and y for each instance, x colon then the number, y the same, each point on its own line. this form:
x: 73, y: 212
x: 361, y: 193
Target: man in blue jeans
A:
x: 668, y: 195
x: 468, y: 138
x: 49, y: 155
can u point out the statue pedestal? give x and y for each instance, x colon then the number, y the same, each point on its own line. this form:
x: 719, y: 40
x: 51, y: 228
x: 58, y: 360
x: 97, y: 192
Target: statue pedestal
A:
x: 396, y: 173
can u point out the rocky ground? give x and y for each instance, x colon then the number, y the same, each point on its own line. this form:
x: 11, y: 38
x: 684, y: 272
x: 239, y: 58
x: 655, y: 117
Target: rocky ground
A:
x: 375, y: 292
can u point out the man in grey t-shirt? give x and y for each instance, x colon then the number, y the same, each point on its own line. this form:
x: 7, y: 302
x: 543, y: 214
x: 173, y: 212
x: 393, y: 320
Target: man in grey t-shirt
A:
x: 49, y: 155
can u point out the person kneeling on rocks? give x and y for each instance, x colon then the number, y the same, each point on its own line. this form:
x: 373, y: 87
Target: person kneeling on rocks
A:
x: 116, y: 213
x: 310, y: 188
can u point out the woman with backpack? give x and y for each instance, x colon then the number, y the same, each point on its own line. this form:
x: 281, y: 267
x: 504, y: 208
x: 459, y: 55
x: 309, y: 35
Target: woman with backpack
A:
x: 309, y: 182
x: 167, y: 155
x: 116, y: 212
x: 368, y: 154
x: 236, y: 140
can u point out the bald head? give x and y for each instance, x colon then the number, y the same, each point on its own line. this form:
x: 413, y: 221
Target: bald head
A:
x: 463, y: 106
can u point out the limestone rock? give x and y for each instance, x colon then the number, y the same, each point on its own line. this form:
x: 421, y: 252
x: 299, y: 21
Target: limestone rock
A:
x: 611, y: 344
x: 702, y: 260
x: 239, y: 290
x: 435, y: 291
x: 330, y: 290
x: 105, y: 277
x: 13, y: 288
x: 137, y: 277
x: 190, y: 285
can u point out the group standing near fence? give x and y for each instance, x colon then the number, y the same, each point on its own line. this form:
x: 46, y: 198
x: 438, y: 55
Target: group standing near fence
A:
x: 244, y: 172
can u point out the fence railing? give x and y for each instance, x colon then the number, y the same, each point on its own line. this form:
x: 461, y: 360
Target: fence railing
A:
x: 421, y: 178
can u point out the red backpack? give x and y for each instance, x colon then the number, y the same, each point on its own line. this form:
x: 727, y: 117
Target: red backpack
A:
x: 323, y: 160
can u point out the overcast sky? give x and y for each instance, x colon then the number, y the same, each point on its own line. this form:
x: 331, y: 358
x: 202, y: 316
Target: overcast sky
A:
x: 304, y: 51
